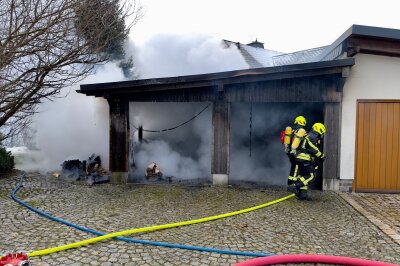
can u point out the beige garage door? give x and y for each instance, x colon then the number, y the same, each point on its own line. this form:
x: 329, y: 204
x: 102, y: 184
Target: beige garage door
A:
x: 377, y: 147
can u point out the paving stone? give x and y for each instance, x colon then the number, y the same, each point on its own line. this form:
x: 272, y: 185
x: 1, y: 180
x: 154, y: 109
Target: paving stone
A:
x: 325, y: 225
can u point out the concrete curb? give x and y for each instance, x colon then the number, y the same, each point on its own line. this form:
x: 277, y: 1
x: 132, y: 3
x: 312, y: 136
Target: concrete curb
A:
x: 379, y: 223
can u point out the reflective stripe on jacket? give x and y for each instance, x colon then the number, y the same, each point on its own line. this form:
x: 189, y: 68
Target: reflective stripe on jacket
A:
x: 308, y: 148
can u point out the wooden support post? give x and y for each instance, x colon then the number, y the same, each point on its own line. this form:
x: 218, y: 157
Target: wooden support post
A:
x: 220, y: 143
x: 331, y: 146
x: 119, y: 140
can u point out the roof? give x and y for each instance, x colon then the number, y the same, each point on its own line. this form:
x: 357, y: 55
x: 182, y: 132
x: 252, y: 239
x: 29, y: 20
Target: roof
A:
x: 254, y: 56
x: 258, y: 57
x: 305, y: 56
x: 341, y: 44
x: 267, y: 64
x: 213, y: 79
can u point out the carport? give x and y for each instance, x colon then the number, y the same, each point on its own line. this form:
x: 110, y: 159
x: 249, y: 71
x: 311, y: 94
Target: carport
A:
x: 319, y: 82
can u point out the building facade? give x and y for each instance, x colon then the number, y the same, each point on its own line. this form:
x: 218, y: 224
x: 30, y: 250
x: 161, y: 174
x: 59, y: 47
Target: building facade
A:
x: 355, y: 79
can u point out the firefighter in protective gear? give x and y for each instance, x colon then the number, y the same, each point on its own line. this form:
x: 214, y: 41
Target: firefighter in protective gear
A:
x: 290, y: 136
x: 305, y: 156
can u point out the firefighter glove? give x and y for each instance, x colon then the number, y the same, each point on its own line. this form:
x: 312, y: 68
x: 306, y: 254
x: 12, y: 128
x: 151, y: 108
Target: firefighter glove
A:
x: 322, y: 158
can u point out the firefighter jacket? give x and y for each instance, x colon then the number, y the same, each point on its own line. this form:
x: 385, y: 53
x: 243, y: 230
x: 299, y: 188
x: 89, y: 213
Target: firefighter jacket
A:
x: 308, y: 149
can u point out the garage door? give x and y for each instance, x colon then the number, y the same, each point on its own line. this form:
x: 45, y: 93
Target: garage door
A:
x: 377, y: 147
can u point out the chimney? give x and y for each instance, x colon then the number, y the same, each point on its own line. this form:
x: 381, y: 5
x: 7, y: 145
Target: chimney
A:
x: 257, y: 44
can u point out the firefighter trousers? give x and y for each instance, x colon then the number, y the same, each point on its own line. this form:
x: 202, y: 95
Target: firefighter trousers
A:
x: 294, y: 169
x: 305, y: 177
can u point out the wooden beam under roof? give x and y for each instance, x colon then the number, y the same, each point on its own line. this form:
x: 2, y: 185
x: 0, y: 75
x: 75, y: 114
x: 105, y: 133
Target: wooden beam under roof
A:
x: 213, y: 79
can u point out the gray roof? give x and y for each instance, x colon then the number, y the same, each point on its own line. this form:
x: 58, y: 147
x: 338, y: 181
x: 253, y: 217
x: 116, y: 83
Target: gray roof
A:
x: 255, y: 57
x: 305, y: 56
x: 264, y: 56
x: 336, y: 48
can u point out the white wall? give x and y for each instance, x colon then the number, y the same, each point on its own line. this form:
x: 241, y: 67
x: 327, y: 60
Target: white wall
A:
x: 372, y: 77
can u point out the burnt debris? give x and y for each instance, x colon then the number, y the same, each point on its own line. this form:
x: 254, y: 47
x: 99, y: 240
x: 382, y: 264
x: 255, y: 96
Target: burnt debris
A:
x: 90, y: 171
x: 153, y: 173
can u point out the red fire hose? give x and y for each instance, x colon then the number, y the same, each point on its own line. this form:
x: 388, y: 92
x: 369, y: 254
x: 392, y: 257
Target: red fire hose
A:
x: 303, y: 258
x: 15, y: 259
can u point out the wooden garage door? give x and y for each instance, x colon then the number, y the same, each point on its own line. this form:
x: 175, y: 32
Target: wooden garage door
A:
x: 377, y: 147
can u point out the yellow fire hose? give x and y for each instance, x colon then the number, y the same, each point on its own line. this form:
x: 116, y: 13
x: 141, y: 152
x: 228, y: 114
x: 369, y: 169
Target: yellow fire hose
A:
x: 151, y: 228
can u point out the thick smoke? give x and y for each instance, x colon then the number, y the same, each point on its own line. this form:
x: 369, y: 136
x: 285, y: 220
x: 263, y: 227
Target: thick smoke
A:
x: 168, y: 55
x: 183, y: 152
x: 257, y: 155
x: 77, y: 125
x: 71, y: 127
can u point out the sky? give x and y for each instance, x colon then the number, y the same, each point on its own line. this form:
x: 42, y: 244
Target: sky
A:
x: 284, y: 25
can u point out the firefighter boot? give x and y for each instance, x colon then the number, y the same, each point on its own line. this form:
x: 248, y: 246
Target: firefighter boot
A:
x: 292, y: 188
x: 302, y: 195
x: 290, y: 184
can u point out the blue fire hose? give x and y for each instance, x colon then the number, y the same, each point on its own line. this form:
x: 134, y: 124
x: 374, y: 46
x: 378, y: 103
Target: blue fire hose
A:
x: 131, y: 240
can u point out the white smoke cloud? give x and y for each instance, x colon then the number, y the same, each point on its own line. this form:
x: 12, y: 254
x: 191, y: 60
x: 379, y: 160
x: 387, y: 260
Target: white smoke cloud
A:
x: 78, y: 125
x: 183, y: 152
x: 167, y: 55
x: 170, y: 161
x: 74, y: 126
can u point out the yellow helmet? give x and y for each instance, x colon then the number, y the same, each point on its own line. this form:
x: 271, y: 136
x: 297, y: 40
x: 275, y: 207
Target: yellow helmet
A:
x: 319, y: 128
x: 300, y: 120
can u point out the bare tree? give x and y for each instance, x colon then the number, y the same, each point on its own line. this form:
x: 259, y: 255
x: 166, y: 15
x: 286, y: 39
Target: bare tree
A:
x: 45, y: 46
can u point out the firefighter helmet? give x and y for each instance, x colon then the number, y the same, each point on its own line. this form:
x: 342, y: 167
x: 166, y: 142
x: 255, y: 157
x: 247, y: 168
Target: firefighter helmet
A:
x: 300, y: 120
x: 319, y: 128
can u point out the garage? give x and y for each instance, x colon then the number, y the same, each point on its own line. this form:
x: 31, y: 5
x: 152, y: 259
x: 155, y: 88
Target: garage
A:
x: 377, y: 146
x: 249, y: 109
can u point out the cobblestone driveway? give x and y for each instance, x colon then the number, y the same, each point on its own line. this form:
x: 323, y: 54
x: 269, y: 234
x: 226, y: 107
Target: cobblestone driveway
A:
x: 327, y: 225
